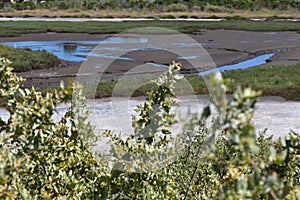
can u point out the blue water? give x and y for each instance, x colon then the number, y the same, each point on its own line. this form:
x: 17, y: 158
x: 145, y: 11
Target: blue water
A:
x: 259, y: 60
x: 125, y: 40
x: 76, y: 51
x: 106, y: 56
x: 63, y: 49
x: 187, y: 57
x: 157, y: 65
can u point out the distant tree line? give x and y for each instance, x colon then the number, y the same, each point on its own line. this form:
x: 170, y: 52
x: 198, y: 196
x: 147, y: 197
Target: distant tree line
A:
x: 158, y: 5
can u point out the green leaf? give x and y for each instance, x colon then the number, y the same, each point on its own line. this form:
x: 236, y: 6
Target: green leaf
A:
x: 165, y: 131
x: 206, y: 113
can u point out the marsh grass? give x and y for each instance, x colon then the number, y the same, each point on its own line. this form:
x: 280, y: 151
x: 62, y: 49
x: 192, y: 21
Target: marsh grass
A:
x: 15, y: 28
x: 271, y: 80
x: 27, y: 59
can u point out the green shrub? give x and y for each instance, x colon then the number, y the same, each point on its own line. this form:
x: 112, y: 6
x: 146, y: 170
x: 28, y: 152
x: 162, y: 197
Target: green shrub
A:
x: 178, y: 7
x: 223, y: 159
x: 63, y: 6
x: 26, y: 59
x: 50, y: 159
x: 167, y: 17
x: 213, y: 17
x: 183, y: 17
x: 45, y: 5
x: 235, y: 17
x: 159, y: 5
x: 26, y: 5
x: 1, y: 4
x: 214, y: 9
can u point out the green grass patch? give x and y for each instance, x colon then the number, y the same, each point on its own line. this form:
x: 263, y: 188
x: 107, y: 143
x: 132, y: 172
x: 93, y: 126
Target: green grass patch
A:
x: 127, y: 86
x: 10, y: 28
x: 27, y: 59
x: 271, y: 80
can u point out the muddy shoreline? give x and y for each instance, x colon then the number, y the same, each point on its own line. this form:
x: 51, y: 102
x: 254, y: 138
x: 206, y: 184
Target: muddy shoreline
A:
x: 224, y: 46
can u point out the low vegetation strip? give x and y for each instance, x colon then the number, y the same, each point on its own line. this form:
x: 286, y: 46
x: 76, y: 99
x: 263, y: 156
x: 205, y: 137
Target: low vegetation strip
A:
x: 15, y: 28
x: 27, y: 59
x: 145, y: 5
x: 153, y: 14
x: 271, y: 80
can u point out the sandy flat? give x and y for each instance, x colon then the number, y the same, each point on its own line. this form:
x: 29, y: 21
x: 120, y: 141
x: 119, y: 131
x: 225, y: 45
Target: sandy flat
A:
x: 275, y: 115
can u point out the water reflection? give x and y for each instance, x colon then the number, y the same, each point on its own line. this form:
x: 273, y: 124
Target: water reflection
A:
x: 70, y: 47
x: 75, y: 51
x: 63, y: 49
x: 125, y: 40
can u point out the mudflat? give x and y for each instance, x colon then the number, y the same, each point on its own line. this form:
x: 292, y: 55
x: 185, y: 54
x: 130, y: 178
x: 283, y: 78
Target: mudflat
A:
x: 224, y: 46
x: 274, y: 115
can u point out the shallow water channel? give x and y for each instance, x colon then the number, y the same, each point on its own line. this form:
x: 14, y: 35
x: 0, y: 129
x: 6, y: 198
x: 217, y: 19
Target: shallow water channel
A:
x: 75, y: 51
x: 79, y: 51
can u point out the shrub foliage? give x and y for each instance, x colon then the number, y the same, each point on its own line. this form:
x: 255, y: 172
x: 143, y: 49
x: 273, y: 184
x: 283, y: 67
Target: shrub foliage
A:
x: 46, y: 159
x: 162, y: 5
x: 27, y: 59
